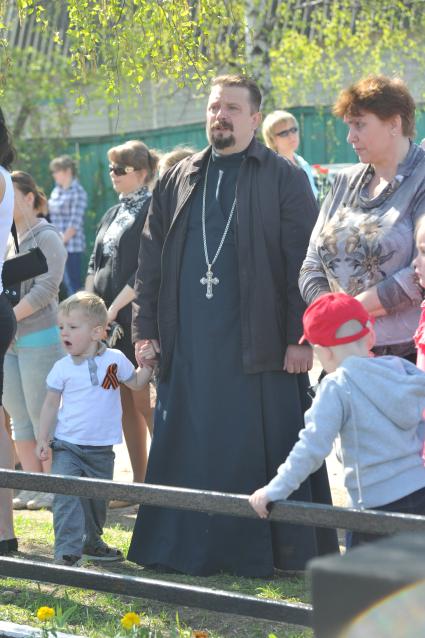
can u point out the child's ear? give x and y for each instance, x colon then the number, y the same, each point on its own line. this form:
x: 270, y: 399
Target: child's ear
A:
x: 371, y: 338
x: 325, y: 355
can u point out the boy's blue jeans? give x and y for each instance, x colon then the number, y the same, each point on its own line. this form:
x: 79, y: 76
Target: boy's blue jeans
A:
x: 78, y: 522
x: 413, y: 503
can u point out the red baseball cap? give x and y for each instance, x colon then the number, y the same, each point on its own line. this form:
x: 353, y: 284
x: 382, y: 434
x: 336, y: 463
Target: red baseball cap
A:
x: 322, y: 319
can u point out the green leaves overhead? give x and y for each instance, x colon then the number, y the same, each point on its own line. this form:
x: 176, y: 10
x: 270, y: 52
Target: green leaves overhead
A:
x: 298, y: 50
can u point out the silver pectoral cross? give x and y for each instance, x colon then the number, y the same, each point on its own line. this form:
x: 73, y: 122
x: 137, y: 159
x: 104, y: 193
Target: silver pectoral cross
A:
x: 209, y: 280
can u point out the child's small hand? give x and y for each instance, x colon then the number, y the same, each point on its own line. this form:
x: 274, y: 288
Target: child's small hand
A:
x: 148, y: 354
x: 42, y: 450
x: 258, y: 501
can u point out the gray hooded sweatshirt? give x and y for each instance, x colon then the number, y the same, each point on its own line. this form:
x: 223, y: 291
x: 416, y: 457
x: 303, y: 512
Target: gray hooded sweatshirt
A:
x: 376, y: 406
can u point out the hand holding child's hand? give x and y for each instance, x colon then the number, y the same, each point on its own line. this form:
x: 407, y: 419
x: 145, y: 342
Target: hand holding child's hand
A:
x: 258, y: 501
x: 42, y: 450
x: 152, y: 344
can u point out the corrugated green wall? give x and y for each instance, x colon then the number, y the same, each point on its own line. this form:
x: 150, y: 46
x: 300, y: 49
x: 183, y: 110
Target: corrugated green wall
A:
x: 323, y: 141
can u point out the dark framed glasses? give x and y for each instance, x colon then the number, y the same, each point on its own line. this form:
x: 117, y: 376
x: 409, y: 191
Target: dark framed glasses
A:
x: 120, y: 170
x: 288, y: 131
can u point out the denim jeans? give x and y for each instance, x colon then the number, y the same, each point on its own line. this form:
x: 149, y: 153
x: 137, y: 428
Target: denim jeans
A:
x: 72, y: 274
x: 413, y: 503
x: 78, y: 522
x: 25, y: 372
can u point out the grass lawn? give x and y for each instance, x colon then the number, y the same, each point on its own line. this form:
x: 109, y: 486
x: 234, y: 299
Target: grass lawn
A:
x: 98, y: 615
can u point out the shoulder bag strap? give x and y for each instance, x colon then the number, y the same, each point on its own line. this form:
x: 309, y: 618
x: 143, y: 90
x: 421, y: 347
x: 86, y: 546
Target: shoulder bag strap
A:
x: 15, y: 237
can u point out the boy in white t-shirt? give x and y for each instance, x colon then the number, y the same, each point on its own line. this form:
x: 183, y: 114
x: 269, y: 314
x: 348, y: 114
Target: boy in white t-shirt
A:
x: 82, y: 411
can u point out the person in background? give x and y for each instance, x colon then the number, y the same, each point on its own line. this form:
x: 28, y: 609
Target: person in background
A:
x: 281, y: 134
x: 172, y: 158
x: 358, y: 401
x: 111, y: 273
x: 8, y: 541
x: 363, y: 242
x: 37, y: 344
x: 67, y: 206
x: 81, y: 421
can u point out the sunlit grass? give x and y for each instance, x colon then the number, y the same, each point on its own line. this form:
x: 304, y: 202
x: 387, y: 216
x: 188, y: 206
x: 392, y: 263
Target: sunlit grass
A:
x: 97, y: 615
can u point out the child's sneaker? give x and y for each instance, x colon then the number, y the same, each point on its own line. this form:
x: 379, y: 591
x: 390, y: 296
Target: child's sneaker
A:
x: 42, y: 500
x: 118, y: 503
x: 9, y: 546
x: 69, y: 560
x: 21, y: 501
x: 102, y: 552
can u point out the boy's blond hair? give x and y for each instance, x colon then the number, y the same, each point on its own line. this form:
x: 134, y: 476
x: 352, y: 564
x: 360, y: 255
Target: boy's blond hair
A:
x: 90, y: 304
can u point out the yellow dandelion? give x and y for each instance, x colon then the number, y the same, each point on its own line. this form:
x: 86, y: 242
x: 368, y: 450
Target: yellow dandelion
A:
x: 45, y: 613
x: 130, y: 620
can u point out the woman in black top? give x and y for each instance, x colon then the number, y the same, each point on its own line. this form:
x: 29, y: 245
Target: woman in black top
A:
x: 111, y: 272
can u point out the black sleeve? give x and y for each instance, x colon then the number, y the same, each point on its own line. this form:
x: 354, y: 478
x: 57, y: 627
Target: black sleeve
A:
x: 148, y: 275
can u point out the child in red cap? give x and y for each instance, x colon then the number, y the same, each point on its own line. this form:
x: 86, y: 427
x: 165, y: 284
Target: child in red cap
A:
x: 374, y: 405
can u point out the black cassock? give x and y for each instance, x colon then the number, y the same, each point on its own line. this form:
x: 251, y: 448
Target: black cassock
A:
x: 217, y: 428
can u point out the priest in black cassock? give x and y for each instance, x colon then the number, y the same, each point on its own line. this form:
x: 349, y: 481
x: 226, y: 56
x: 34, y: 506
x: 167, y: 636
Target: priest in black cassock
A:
x: 217, y: 295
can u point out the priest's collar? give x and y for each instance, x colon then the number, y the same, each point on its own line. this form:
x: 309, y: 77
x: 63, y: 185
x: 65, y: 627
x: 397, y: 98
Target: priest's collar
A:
x: 227, y: 160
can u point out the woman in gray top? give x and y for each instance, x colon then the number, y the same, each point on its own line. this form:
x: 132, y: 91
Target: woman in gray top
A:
x: 37, y: 345
x: 363, y: 242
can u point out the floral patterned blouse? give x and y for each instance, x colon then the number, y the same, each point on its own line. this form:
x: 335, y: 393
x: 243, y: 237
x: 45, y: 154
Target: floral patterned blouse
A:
x: 361, y: 241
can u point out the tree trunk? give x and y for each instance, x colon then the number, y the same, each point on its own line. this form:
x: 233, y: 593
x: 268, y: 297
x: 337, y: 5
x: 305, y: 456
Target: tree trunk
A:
x: 260, y: 16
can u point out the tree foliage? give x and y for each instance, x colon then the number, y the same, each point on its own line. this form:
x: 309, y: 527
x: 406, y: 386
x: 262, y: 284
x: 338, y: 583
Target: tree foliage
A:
x: 298, y: 50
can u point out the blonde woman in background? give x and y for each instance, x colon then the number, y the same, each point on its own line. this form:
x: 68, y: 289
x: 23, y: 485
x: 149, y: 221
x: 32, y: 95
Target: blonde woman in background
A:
x: 111, y: 272
x: 281, y: 134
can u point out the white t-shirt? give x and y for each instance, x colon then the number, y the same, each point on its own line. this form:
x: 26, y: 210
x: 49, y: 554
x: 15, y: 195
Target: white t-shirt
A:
x: 89, y: 413
x: 6, y: 217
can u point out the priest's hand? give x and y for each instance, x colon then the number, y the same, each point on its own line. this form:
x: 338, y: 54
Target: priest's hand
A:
x: 144, y: 346
x: 258, y: 501
x: 298, y: 359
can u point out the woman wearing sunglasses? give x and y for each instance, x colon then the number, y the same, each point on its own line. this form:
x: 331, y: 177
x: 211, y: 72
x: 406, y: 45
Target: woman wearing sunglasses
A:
x: 281, y: 134
x: 111, y: 272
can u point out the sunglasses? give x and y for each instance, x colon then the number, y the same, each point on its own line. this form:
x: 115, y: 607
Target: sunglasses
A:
x: 288, y: 131
x: 120, y: 170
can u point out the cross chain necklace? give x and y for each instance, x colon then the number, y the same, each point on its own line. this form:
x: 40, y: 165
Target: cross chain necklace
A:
x: 209, y: 278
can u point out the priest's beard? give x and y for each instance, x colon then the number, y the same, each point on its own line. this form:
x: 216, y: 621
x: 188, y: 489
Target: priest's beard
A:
x: 220, y: 143
x: 216, y: 137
